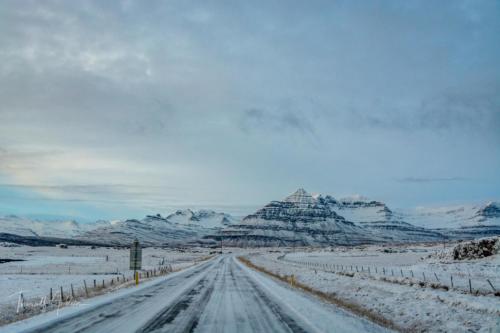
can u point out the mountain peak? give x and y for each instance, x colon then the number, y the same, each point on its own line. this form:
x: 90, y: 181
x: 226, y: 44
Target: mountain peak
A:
x: 490, y: 210
x: 300, y: 196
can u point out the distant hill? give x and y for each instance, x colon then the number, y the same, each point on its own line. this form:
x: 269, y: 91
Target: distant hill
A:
x: 303, y: 219
x: 300, y: 218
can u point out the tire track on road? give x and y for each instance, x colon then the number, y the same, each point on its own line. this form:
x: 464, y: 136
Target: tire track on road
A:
x: 183, y: 315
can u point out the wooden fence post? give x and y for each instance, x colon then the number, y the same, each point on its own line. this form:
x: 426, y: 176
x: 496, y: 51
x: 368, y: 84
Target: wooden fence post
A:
x: 86, y: 290
x: 494, y: 290
x: 20, y: 303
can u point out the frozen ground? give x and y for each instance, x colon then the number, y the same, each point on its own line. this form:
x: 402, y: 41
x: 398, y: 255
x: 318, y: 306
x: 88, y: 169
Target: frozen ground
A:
x: 225, y: 296
x: 221, y: 295
x: 50, y: 267
x: 409, y: 303
x: 424, y: 263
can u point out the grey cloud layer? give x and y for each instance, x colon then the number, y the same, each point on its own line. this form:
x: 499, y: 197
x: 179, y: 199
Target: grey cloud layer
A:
x: 188, y: 94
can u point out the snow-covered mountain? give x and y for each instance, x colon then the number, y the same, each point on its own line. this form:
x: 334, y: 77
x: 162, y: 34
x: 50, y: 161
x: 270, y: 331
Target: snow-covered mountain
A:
x: 298, y: 219
x: 204, y: 218
x: 466, y: 221
x: 16, y: 225
x: 302, y: 219
x: 150, y: 231
x: 456, y: 216
x: 378, y: 219
x: 183, y: 226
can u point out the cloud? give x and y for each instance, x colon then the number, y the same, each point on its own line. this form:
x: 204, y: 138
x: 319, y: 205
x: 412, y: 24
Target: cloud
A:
x: 96, y: 193
x: 468, y: 110
x: 191, y: 96
x: 256, y: 119
x: 13, y: 159
x: 432, y: 180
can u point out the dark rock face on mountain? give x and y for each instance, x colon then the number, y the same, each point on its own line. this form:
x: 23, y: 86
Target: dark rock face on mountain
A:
x: 299, y: 207
x: 469, y: 232
x: 299, y: 219
x: 490, y: 211
x: 151, y: 231
x: 182, y: 227
x: 302, y: 219
x: 203, y: 218
x: 42, y: 240
x: 460, y: 222
x: 377, y: 218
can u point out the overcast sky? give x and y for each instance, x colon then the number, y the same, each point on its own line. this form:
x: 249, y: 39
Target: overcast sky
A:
x: 115, y: 109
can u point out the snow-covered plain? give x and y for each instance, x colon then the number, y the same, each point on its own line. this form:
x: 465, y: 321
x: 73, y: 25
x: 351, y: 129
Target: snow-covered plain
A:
x: 51, y: 267
x: 220, y: 295
x: 403, y: 300
x: 424, y: 263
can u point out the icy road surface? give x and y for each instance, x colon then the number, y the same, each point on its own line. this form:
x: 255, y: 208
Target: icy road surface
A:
x: 221, y: 295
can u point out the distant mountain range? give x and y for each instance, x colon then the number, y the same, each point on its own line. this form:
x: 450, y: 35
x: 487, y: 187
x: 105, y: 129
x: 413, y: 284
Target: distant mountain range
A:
x: 181, y: 227
x: 304, y: 219
x: 21, y: 226
x: 301, y: 219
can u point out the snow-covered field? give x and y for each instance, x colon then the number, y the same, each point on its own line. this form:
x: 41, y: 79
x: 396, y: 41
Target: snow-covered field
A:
x: 409, y: 285
x: 409, y: 302
x: 43, y: 268
x: 425, y: 263
x: 219, y: 295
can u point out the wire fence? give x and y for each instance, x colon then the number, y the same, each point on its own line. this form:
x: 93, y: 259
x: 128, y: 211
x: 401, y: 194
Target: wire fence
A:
x: 87, y: 288
x: 73, y: 294
x: 402, y: 275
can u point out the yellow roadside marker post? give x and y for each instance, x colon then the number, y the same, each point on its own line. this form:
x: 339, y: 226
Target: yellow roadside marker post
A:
x: 136, y: 259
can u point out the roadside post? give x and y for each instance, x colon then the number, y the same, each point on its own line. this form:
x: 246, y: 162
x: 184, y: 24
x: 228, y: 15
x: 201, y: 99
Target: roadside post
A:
x: 136, y: 259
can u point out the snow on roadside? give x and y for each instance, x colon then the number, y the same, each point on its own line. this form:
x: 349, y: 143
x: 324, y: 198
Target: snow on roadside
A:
x: 43, y: 268
x: 417, y: 263
x: 74, y: 307
x: 315, y: 316
x: 410, y: 307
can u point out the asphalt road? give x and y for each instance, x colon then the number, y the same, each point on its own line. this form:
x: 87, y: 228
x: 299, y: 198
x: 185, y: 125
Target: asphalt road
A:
x: 221, y: 295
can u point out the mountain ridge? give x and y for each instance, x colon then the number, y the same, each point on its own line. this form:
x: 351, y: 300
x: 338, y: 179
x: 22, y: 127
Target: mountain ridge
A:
x: 298, y: 219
